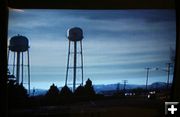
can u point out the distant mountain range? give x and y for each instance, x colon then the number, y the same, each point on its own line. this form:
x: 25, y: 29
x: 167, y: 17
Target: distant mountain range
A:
x: 108, y: 87
x: 100, y: 88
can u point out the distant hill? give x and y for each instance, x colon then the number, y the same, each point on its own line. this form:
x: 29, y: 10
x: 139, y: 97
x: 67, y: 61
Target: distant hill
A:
x: 108, y: 87
x: 100, y: 88
x: 158, y: 85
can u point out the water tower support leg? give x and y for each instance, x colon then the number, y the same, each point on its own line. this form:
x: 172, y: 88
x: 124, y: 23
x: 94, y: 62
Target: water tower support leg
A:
x: 8, y: 57
x: 18, y: 67
x: 82, y: 63
x: 28, y: 72
x: 22, y: 68
x: 74, y: 78
x: 67, y: 63
x: 13, y: 63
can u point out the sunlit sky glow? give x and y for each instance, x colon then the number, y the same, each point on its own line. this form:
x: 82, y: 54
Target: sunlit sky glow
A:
x: 118, y: 44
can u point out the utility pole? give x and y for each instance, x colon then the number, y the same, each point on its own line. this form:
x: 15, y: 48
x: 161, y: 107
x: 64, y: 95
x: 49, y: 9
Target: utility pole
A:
x: 118, y: 87
x: 125, y: 81
x: 147, y: 75
x: 33, y: 91
x: 168, y: 73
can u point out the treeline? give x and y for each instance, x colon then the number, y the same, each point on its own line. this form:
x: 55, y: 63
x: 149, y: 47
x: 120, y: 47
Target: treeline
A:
x: 65, y: 95
x: 86, y: 90
x: 18, y: 97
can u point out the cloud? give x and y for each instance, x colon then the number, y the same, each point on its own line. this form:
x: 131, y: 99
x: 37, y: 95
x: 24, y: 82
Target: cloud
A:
x: 54, y: 23
x: 109, y: 15
x: 48, y: 53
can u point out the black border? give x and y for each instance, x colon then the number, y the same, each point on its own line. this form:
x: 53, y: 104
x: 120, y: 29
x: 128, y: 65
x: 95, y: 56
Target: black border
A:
x: 92, y: 4
x: 3, y: 59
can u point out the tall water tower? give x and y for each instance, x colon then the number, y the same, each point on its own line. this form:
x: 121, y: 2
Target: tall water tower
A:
x: 17, y: 60
x: 75, y: 36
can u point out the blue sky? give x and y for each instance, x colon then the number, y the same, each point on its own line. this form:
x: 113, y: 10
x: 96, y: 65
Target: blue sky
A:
x: 117, y: 44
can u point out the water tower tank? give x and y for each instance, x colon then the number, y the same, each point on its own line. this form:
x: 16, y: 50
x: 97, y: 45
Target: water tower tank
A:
x: 19, y: 43
x: 75, y: 34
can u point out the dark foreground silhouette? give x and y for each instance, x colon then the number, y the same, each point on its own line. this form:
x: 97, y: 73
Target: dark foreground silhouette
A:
x: 84, y: 102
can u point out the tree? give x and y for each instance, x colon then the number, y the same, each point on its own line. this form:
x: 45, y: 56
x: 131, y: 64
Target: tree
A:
x: 65, y: 91
x: 16, y: 90
x: 79, y: 91
x: 88, y: 88
x: 17, y: 94
x: 53, y: 91
x: 21, y: 91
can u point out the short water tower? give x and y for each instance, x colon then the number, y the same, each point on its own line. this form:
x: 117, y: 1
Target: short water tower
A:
x: 75, y: 36
x: 18, y: 45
